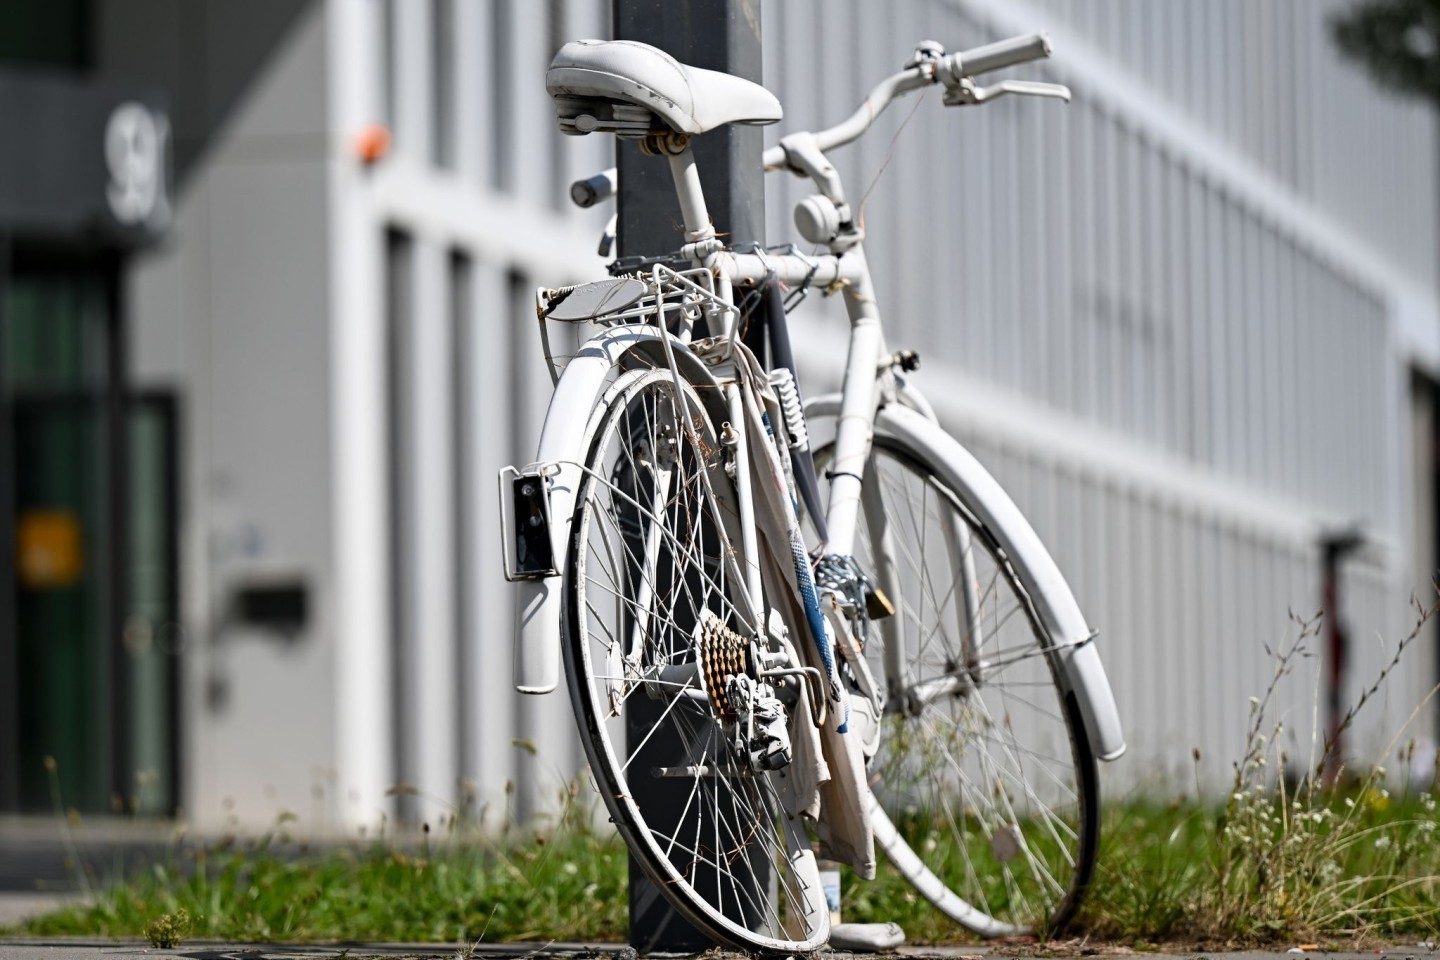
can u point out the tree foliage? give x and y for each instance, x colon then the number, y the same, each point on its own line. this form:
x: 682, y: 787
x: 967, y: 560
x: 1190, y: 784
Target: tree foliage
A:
x: 1398, y: 41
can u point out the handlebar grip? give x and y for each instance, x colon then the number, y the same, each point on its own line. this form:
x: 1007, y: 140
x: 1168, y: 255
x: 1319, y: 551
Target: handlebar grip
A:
x: 592, y: 190
x: 1004, y: 53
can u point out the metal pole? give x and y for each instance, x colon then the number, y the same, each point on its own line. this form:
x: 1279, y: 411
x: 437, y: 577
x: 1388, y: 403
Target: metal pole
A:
x: 1334, y: 547
x: 715, y: 35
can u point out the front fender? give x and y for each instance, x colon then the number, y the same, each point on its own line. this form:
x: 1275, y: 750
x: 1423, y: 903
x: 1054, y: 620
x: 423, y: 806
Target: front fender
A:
x: 1081, y: 671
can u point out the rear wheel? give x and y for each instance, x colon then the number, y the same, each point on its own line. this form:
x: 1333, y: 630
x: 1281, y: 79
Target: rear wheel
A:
x: 984, y: 778
x: 655, y: 621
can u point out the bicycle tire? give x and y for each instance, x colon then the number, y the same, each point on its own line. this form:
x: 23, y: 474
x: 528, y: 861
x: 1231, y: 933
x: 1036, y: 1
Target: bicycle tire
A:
x: 645, y: 566
x: 985, y: 784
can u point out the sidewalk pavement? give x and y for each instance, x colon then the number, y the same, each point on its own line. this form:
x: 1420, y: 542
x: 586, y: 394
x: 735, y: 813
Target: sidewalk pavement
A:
x: 17, y: 905
x: 20, y: 948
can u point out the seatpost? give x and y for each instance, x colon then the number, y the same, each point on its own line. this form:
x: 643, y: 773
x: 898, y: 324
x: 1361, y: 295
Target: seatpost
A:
x: 676, y: 148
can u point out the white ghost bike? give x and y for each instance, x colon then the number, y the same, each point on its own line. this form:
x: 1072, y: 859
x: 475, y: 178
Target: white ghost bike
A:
x: 762, y: 663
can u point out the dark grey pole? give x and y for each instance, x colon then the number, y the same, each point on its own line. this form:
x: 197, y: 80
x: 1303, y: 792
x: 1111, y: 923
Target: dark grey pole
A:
x: 716, y: 35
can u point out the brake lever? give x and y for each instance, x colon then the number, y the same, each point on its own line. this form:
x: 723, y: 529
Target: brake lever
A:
x: 607, y: 236
x: 966, y: 93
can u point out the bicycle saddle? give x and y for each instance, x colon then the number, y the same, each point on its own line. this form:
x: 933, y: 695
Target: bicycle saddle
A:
x: 597, y: 84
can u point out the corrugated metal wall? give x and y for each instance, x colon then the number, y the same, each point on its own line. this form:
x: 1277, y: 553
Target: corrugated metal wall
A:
x: 1179, y: 385
x: 1180, y: 380
x: 1264, y: 79
x: 456, y: 227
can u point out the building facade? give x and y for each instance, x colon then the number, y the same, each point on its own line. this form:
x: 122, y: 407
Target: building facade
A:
x: 1189, y: 321
x: 88, y: 472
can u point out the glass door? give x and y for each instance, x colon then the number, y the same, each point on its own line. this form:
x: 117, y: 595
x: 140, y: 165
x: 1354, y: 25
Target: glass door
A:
x: 57, y: 344
x: 89, y: 508
x: 151, y: 638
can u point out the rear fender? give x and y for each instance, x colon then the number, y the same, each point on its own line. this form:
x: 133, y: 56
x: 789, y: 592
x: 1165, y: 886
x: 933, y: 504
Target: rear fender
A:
x: 574, y: 415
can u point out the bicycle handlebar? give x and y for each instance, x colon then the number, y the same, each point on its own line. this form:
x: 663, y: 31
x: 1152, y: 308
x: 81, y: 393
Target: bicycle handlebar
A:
x: 997, y: 56
x: 949, y: 71
x: 952, y: 71
x: 852, y: 127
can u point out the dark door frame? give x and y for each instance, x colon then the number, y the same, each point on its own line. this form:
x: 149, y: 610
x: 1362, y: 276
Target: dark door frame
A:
x: 9, y: 652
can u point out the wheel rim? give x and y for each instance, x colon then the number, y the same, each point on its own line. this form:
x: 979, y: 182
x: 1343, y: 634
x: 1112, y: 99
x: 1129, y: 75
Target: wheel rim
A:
x: 715, y: 838
x: 981, y: 764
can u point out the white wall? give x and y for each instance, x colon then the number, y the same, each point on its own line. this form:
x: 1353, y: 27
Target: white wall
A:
x: 231, y: 314
x: 459, y: 735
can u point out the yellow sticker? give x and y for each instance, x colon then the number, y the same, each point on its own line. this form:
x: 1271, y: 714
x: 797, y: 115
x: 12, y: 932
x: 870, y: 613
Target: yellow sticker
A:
x: 48, y: 549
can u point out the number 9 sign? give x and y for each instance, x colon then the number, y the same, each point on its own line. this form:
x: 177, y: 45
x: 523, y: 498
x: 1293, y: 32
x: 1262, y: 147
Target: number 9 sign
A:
x: 135, y: 147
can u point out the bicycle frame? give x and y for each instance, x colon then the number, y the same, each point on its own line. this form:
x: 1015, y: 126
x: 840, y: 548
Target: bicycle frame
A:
x: 868, y: 381
x: 865, y: 379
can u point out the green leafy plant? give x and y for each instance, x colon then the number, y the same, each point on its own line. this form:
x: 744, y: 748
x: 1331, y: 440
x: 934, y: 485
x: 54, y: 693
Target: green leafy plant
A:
x: 168, y: 930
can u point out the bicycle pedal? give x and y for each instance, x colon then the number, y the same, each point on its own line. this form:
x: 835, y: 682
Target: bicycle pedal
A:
x: 877, y: 604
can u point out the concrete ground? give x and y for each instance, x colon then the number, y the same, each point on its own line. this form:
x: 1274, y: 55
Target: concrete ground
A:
x: 54, y: 949
x: 17, y: 905
x: 46, y: 863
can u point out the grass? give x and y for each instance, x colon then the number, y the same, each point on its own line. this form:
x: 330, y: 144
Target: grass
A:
x: 569, y: 887
x: 1351, y: 868
x: 1365, y: 867
x: 1297, y: 852
x: 1307, y: 856
x: 1158, y: 880
x: 451, y: 885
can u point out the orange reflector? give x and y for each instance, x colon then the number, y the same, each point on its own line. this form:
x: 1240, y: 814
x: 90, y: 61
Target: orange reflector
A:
x: 372, y: 143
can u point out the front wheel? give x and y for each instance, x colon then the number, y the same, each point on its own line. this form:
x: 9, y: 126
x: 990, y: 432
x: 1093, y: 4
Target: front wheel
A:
x: 984, y: 778
x: 655, y: 620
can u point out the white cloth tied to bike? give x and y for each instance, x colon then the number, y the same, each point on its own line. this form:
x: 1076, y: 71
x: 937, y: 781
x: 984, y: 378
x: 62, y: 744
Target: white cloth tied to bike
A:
x: 826, y: 776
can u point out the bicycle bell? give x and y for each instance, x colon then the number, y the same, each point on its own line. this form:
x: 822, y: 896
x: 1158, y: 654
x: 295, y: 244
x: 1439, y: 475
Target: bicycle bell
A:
x: 817, y: 219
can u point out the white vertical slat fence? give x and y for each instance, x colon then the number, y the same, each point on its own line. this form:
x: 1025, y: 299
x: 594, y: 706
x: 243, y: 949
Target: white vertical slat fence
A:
x: 1231, y: 367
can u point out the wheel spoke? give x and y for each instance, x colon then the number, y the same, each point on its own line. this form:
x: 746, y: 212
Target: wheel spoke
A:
x: 650, y: 564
